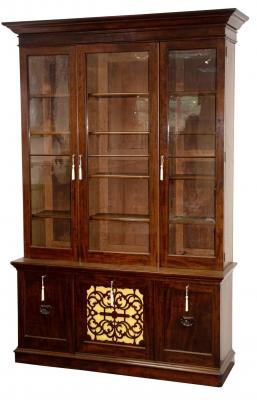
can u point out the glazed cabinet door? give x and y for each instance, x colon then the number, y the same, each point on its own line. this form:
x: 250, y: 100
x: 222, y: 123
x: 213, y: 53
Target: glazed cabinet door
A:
x: 187, y: 322
x: 191, y: 153
x: 49, y: 151
x: 45, y: 301
x: 118, y: 142
x: 113, y: 315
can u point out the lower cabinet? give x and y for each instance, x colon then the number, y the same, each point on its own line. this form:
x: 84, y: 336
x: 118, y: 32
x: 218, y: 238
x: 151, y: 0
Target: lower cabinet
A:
x: 45, y: 310
x: 187, y: 322
x: 114, y: 315
x: 167, y: 320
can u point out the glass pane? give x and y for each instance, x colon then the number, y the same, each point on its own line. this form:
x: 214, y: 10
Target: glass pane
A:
x: 192, y: 114
x: 192, y: 198
x: 49, y: 143
x: 118, y: 196
x: 49, y: 104
x: 124, y: 144
x: 192, y: 145
x: 188, y: 168
x: 129, y: 166
x: 192, y: 128
x: 112, y: 113
x: 119, y: 236
x: 191, y: 239
x: 192, y: 70
x: 118, y: 149
x: 124, y: 72
x: 50, y: 232
x: 50, y: 201
x: 48, y: 75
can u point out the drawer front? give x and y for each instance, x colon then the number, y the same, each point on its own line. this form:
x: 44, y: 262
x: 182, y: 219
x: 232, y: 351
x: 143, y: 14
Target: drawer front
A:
x: 187, y: 322
x: 113, y: 315
x: 45, y: 310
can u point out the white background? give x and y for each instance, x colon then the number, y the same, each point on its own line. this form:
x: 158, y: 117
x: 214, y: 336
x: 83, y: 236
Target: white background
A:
x: 21, y: 381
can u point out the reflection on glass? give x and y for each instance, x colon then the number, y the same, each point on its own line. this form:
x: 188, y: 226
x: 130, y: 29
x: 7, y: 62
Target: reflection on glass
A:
x: 48, y: 75
x: 118, y: 150
x: 49, y: 135
x: 191, y: 239
x: 50, y: 199
x: 192, y: 198
x: 118, y: 114
x: 192, y: 145
x: 118, y: 144
x: 50, y: 144
x: 192, y: 126
x: 192, y: 114
x: 192, y: 70
x: 119, y: 236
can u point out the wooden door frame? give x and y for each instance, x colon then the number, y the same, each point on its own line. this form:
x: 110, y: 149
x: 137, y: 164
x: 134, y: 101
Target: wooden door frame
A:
x: 106, y: 257
x: 29, y: 250
x: 176, y: 260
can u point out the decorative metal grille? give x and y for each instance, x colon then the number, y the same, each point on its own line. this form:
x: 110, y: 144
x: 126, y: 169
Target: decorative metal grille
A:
x: 115, y: 315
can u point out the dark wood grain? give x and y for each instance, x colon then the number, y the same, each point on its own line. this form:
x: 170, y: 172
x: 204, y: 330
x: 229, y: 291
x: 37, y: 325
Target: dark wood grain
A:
x: 230, y: 16
x: 52, y: 331
x: 191, y: 345
x: 148, y: 369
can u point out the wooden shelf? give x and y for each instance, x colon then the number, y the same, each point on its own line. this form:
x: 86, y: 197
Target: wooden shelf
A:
x: 105, y: 94
x: 192, y: 156
x: 46, y: 96
x: 120, y: 217
x: 129, y: 176
x: 192, y: 220
x: 48, y: 133
x: 66, y: 156
x: 192, y: 177
x: 117, y: 133
x: 119, y: 155
x: 56, y: 214
x: 192, y: 93
x: 191, y: 134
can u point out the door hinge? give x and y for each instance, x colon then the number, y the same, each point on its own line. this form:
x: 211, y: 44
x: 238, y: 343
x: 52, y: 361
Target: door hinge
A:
x: 226, y: 51
x: 225, y: 157
x: 224, y: 256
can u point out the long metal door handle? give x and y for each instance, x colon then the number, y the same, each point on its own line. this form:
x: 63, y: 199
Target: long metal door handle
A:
x: 73, y: 168
x: 80, y: 168
x: 162, y: 168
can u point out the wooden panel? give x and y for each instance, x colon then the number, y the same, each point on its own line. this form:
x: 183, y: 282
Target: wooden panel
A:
x: 46, y: 322
x: 113, y: 315
x: 226, y: 317
x: 229, y: 151
x: 188, y: 328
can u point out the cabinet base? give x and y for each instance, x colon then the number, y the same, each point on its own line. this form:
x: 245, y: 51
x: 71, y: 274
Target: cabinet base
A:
x: 139, y: 368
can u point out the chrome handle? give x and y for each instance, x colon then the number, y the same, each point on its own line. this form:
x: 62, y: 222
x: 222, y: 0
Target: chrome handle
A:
x: 43, y: 288
x: 80, y: 168
x: 111, y: 295
x: 161, y: 168
x: 187, y: 299
x: 73, y: 175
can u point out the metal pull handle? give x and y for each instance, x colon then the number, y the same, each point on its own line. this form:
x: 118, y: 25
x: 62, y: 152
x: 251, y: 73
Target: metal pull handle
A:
x: 111, y: 295
x: 73, y: 176
x: 80, y: 168
x: 161, y: 168
x: 43, y: 288
x: 187, y: 299
x: 187, y: 321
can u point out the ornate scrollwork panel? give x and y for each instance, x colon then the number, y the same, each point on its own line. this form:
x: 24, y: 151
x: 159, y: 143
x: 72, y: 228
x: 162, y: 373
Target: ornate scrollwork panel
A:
x: 115, y: 315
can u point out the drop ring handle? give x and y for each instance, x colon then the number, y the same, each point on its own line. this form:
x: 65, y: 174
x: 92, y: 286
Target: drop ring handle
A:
x: 187, y: 321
